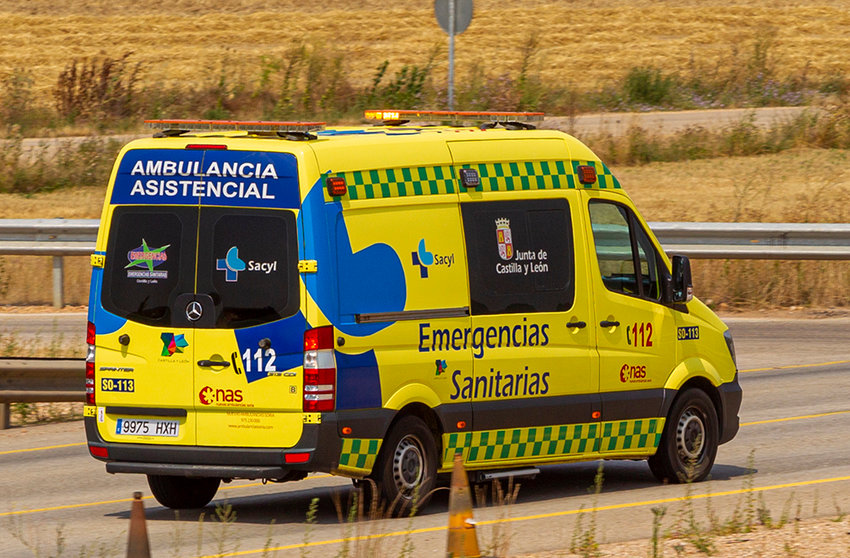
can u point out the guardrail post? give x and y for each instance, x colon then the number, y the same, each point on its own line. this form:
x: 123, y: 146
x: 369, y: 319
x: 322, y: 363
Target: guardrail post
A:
x: 58, y: 282
x: 4, y: 416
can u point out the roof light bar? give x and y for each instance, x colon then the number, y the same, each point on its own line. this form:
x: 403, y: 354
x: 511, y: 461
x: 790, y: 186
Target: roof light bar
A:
x: 452, y: 116
x: 234, y: 125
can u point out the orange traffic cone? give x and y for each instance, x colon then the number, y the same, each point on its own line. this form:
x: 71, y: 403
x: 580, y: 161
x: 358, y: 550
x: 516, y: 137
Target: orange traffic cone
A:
x: 462, y: 539
x: 137, y: 543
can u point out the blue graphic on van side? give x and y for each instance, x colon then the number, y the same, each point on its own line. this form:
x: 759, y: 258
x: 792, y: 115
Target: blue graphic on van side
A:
x: 287, y: 342
x: 208, y: 177
x: 105, y: 322
x: 358, y: 384
x: 348, y: 283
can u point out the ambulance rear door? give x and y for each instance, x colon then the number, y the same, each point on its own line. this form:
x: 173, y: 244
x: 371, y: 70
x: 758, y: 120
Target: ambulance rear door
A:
x: 249, y: 339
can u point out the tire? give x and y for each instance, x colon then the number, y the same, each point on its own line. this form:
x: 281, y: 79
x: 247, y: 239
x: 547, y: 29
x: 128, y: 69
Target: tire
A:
x: 407, y: 464
x: 689, y: 441
x: 180, y: 493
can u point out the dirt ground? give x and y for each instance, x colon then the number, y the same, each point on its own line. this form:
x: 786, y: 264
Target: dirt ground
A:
x: 818, y: 538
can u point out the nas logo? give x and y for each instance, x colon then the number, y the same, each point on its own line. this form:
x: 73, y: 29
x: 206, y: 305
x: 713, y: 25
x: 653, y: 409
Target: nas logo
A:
x: 210, y: 396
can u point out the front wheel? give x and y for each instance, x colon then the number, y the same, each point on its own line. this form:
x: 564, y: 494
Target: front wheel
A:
x: 406, y: 471
x: 689, y: 441
x: 180, y: 493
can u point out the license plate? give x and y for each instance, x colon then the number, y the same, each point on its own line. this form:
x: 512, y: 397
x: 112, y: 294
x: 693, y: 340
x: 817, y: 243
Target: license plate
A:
x: 147, y: 427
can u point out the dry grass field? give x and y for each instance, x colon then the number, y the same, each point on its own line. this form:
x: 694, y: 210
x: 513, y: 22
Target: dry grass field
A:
x: 804, y: 185
x: 196, y: 44
x: 583, y: 43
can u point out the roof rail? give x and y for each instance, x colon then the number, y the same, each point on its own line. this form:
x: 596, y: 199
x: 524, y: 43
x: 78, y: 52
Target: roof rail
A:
x: 287, y: 130
x: 513, y: 120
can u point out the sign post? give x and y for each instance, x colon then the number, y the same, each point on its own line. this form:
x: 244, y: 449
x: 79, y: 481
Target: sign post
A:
x: 454, y: 17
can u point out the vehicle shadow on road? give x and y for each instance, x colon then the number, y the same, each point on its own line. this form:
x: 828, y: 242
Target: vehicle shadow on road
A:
x: 555, y: 482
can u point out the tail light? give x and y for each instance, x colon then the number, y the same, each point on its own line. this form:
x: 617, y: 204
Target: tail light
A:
x: 90, y: 335
x: 319, y: 370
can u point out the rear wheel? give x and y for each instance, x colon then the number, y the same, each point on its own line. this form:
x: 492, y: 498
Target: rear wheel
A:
x: 689, y: 441
x: 407, y: 465
x: 181, y: 493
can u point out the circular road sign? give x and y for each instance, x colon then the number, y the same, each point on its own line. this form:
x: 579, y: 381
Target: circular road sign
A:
x: 463, y: 14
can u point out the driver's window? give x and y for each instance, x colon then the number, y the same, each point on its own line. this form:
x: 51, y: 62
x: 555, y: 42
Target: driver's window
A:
x: 610, y: 226
x: 628, y: 261
x: 649, y: 262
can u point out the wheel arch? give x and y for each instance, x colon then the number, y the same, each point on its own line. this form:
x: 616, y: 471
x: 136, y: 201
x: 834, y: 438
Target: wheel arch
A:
x: 703, y: 384
x: 427, y: 415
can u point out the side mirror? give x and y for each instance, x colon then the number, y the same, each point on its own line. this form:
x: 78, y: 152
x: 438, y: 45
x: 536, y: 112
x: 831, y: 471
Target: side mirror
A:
x: 682, y: 286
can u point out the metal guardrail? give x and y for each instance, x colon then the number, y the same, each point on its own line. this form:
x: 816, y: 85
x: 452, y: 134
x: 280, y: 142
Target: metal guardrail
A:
x: 756, y: 241
x: 39, y: 379
x: 49, y: 237
x: 50, y: 380
x: 753, y: 241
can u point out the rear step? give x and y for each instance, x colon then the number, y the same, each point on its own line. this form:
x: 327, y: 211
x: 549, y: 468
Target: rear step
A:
x: 486, y: 476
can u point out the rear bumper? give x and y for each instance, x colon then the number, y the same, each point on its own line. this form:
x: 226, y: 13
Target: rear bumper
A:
x: 320, y: 441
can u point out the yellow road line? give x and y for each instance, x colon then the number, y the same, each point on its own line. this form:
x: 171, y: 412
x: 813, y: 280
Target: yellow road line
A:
x: 43, y: 448
x: 795, y: 418
x: 538, y: 516
x: 104, y: 502
x: 789, y: 366
x: 71, y: 506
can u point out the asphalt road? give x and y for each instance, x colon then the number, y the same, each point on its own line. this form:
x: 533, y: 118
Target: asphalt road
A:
x: 795, y: 417
x: 666, y: 123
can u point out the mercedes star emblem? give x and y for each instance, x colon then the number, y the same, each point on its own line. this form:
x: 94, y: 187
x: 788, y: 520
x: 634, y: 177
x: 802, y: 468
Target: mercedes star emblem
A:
x: 194, y: 311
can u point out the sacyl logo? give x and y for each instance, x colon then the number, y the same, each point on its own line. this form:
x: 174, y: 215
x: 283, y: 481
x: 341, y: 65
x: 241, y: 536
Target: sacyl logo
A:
x: 231, y: 264
x: 424, y: 259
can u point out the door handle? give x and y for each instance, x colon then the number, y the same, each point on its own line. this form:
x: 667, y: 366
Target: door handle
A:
x: 578, y: 325
x: 606, y: 323
x: 222, y: 363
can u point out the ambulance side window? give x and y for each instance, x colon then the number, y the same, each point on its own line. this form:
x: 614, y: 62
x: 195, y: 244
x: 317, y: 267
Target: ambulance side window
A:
x: 628, y: 262
x: 520, y: 256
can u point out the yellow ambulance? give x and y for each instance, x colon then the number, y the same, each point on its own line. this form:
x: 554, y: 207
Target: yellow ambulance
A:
x: 270, y: 299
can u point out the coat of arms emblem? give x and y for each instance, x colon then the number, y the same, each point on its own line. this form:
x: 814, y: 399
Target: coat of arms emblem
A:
x: 503, y: 237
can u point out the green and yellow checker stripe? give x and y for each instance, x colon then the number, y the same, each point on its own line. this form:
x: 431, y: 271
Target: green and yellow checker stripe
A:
x: 539, y: 175
x: 554, y: 441
x: 358, y: 454
x: 524, y: 175
x: 495, y: 177
x: 392, y: 183
x: 605, y: 180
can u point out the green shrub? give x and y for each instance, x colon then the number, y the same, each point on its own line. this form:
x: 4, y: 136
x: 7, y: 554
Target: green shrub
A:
x: 97, y: 89
x: 648, y: 86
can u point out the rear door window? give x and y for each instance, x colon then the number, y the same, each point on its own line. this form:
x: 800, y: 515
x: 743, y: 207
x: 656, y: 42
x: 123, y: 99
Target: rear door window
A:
x: 150, y: 260
x: 248, y: 264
